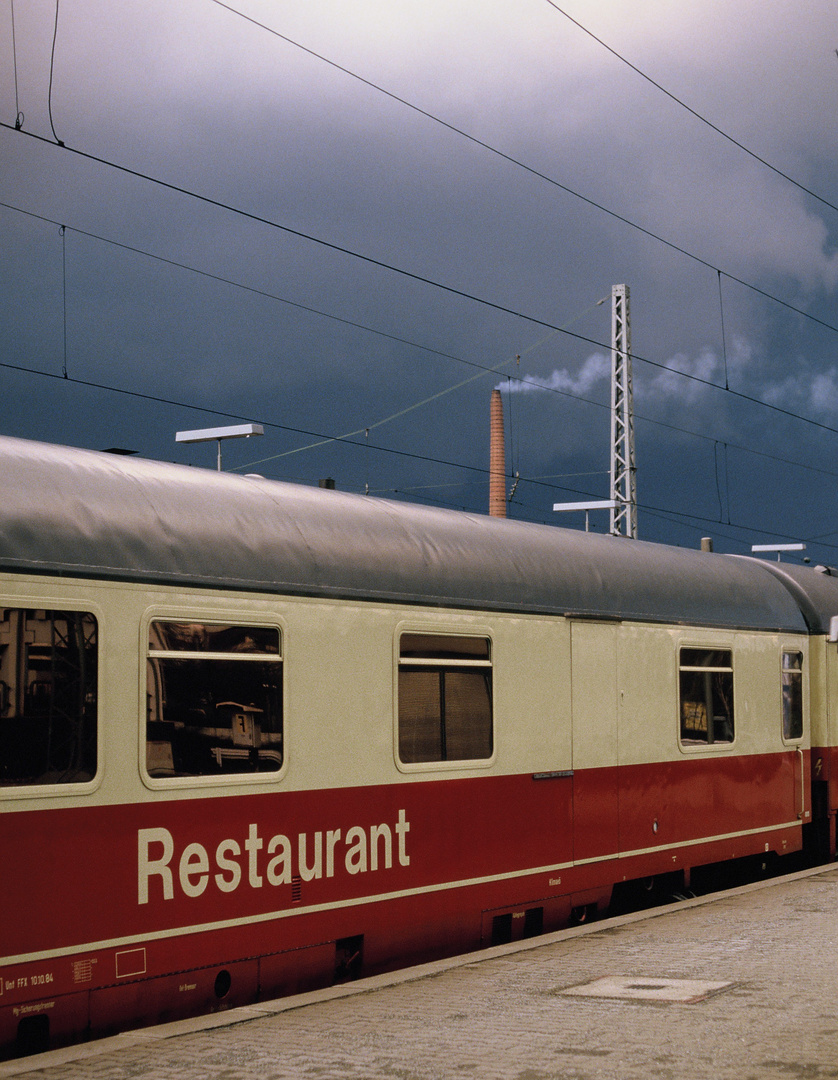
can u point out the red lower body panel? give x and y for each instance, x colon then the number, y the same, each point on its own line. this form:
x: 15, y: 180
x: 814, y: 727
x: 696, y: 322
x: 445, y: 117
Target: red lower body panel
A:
x: 132, y: 915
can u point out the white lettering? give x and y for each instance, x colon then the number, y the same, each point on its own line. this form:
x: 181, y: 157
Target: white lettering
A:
x: 146, y: 866
x: 307, y: 873
x: 331, y: 839
x: 356, y: 857
x: 253, y: 843
x: 381, y: 832
x: 277, y: 876
x: 223, y: 863
x: 194, y: 863
x: 402, y: 829
x: 363, y: 849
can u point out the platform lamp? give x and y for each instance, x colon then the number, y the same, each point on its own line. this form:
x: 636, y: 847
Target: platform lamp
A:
x: 237, y: 431
x: 596, y: 504
x: 778, y: 548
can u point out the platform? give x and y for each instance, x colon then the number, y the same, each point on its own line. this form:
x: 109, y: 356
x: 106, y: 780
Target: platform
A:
x: 742, y: 984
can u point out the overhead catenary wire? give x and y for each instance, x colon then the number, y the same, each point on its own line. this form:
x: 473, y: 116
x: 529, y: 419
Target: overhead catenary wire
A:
x: 331, y: 438
x: 424, y: 401
x: 479, y: 142
x: 483, y: 368
x: 698, y: 523
x: 365, y: 431
x: 647, y: 508
x: 691, y: 111
x: 18, y: 113
x: 805, y: 314
x: 51, y: 72
x: 718, y: 483
x: 245, y: 288
x: 63, y: 231
x: 159, y: 399
x: 449, y: 289
x: 401, y: 340
x: 380, y: 263
x: 722, y: 320
x: 473, y: 483
x: 482, y: 471
x: 509, y: 158
x: 727, y: 483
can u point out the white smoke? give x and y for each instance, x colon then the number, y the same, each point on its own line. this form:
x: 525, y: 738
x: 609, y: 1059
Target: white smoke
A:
x: 806, y: 392
x: 695, y: 380
x: 824, y: 392
x: 669, y: 383
x: 596, y: 368
x: 691, y: 379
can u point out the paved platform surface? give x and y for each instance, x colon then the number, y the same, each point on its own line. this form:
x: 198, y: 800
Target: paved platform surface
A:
x: 529, y: 1011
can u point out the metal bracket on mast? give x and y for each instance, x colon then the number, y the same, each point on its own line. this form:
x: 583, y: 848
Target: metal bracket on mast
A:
x: 623, y: 467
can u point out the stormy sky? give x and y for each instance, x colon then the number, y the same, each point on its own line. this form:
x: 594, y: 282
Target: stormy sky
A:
x: 349, y: 220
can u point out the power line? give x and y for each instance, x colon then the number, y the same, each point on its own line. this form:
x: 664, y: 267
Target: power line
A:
x: 245, y: 288
x: 451, y: 290
x: 484, y: 472
x: 287, y: 229
x: 699, y: 522
x: 527, y: 168
x: 418, y: 404
x: 640, y: 418
x: 458, y: 292
x: 18, y: 113
x: 51, y: 69
x: 691, y: 111
x: 160, y: 400
x: 63, y: 232
x: 482, y: 368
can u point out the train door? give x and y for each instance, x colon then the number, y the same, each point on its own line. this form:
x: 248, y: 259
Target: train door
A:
x: 594, y: 704
x: 792, y: 668
x: 823, y: 689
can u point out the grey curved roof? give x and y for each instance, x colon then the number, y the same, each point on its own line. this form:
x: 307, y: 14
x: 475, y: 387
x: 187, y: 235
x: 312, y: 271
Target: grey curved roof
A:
x: 815, y: 589
x: 85, y: 513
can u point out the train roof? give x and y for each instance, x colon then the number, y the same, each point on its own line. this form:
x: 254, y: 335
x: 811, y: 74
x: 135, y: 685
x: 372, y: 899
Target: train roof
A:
x: 90, y: 514
x: 814, y: 588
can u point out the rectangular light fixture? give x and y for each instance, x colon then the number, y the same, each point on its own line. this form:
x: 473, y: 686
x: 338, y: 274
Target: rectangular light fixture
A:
x: 238, y: 431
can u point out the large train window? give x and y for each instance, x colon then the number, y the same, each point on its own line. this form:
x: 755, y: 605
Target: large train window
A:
x: 214, y: 694
x: 706, y: 695
x: 445, y: 698
x: 792, y: 695
x: 48, y: 690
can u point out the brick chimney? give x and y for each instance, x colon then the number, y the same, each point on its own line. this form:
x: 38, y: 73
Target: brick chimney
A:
x: 497, y: 459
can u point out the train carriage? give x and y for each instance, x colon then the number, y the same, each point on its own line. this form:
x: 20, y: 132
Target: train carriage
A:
x: 817, y: 595
x: 257, y: 737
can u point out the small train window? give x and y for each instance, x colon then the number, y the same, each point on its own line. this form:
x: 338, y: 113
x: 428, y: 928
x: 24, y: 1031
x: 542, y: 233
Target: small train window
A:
x: 792, y: 695
x: 48, y: 697
x: 445, y: 698
x: 214, y: 699
x: 706, y: 695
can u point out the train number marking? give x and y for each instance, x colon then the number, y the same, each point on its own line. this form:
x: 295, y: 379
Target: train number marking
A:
x: 23, y: 982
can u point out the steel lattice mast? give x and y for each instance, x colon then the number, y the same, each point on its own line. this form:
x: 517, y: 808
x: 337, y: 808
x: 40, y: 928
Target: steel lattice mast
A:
x: 623, y: 467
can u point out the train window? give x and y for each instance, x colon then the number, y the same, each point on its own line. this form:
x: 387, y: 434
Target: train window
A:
x: 48, y: 692
x: 792, y: 695
x: 706, y: 695
x: 214, y: 695
x: 445, y: 698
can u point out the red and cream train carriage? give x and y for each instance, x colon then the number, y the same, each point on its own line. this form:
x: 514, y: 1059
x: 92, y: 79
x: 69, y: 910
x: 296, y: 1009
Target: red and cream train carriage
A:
x: 257, y: 737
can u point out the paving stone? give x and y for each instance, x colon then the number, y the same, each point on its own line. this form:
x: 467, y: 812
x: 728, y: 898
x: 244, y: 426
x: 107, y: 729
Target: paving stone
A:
x: 505, y: 1012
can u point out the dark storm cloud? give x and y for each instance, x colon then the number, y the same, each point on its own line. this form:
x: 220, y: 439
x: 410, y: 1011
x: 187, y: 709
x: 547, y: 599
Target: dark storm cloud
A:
x: 209, y: 102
